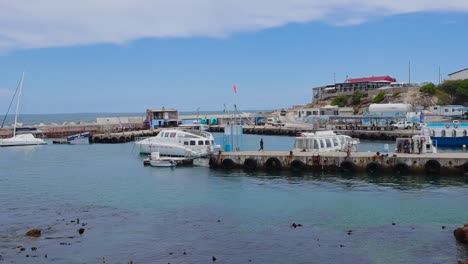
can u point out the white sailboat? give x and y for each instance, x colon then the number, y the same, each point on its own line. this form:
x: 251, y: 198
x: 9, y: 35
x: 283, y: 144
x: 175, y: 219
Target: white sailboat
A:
x: 23, y: 139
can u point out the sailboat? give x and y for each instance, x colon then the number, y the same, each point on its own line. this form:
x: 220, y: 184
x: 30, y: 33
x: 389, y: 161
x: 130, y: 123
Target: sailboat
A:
x: 23, y: 139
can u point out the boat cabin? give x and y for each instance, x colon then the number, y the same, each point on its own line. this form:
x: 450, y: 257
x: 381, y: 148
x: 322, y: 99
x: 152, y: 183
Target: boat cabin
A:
x: 187, y: 139
x: 324, y: 141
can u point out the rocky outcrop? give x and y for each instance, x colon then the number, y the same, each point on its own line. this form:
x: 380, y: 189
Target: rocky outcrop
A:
x: 461, y: 234
x: 462, y: 261
x: 34, y: 233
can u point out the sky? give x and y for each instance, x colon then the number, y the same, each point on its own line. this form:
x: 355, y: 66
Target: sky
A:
x: 126, y: 56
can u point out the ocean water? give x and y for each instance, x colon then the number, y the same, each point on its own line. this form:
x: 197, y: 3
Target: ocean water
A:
x: 154, y: 215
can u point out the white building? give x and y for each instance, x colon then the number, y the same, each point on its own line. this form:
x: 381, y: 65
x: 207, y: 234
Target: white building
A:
x: 459, y: 75
x: 448, y: 110
x: 333, y: 110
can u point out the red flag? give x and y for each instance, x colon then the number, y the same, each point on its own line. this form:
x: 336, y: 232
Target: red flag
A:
x: 235, y: 88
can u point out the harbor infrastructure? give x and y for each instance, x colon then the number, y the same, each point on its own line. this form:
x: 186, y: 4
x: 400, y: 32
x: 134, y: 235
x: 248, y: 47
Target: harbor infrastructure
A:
x: 373, y: 163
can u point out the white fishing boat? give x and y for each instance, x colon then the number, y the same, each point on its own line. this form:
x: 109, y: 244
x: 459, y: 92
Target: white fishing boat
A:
x: 178, y: 143
x: 25, y: 139
x: 156, y: 161
x: 325, y: 141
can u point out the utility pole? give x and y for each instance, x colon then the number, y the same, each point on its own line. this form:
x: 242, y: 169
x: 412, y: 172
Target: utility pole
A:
x: 439, y: 76
x: 409, y: 72
x: 334, y: 78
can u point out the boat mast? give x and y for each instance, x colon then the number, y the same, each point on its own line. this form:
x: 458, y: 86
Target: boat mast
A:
x: 17, y: 103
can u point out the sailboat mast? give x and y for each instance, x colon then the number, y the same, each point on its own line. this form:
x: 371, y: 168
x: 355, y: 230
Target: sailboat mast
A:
x: 17, y: 103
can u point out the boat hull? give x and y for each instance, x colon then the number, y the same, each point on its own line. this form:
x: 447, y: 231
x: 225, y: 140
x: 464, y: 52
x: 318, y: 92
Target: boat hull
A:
x: 174, y: 151
x: 162, y: 163
x: 21, y: 140
x: 451, y: 141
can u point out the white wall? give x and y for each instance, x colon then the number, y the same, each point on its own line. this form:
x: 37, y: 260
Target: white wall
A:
x: 459, y: 75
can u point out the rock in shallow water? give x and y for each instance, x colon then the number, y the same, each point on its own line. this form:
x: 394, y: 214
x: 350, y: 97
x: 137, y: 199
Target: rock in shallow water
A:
x: 34, y: 233
x: 461, y: 234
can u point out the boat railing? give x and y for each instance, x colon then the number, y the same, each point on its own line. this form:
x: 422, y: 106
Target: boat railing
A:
x: 140, y: 138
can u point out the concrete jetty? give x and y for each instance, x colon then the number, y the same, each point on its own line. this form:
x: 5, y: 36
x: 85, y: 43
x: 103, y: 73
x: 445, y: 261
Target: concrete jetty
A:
x: 370, y: 162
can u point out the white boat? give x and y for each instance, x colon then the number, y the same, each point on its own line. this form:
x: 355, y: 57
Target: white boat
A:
x: 178, y: 143
x: 324, y: 141
x: 156, y: 161
x: 416, y: 144
x: 25, y: 139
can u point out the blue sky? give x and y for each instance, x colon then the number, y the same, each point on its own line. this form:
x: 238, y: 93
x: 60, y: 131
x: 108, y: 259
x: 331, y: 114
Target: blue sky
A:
x: 273, y: 65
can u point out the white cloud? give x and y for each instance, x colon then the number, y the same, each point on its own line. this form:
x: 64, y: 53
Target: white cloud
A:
x: 55, y: 23
x: 5, y: 92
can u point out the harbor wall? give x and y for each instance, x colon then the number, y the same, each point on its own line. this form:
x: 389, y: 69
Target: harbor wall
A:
x: 392, y: 163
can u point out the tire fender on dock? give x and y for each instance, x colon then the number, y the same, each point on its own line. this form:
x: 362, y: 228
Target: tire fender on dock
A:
x: 213, y: 162
x: 401, y: 168
x: 298, y: 165
x: 464, y: 168
x: 432, y: 167
x: 373, y: 167
x: 273, y: 163
x: 250, y: 164
x: 228, y: 164
x: 347, y: 166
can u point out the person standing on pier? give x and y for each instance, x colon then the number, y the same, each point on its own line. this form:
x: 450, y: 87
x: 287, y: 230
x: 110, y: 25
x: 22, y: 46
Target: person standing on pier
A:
x: 261, y: 145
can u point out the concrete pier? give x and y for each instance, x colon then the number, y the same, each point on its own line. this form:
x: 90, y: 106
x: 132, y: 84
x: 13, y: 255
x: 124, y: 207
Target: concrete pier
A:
x: 394, y: 163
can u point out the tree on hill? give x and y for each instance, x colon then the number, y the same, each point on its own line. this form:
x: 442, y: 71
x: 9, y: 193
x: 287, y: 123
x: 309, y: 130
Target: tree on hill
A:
x: 457, y: 90
x: 356, y: 98
x: 340, y: 100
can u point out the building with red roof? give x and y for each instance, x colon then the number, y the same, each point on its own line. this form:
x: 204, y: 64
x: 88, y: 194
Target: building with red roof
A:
x: 351, y: 85
x: 372, y: 79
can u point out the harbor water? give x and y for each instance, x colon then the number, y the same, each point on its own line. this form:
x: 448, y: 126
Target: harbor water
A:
x: 190, y: 214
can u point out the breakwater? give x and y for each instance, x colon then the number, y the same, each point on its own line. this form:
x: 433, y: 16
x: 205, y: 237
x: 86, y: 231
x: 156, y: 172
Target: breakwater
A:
x: 396, y: 163
x: 122, y: 137
x: 57, y: 131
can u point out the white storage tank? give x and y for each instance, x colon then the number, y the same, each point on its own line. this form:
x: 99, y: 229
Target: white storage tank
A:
x: 382, y: 108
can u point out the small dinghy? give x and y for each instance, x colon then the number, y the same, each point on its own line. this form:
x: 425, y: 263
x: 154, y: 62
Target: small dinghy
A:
x: 156, y: 161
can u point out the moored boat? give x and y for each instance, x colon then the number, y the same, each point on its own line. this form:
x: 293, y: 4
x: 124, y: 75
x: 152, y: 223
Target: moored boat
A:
x: 178, y: 143
x: 156, y: 161
x: 325, y: 141
x: 453, y: 134
x: 25, y: 139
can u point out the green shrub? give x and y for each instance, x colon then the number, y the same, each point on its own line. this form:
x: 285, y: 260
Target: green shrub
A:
x: 395, y: 94
x: 429, y: 88
x: 356, y: 98
x: 379, y: 97
x: 340, y: 100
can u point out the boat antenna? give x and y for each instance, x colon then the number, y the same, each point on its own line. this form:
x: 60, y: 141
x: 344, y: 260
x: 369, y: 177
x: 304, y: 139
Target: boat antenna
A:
x: 11, y: 102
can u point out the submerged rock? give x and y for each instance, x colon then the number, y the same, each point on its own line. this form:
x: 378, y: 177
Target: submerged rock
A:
x: 462, y: 261
x: 81, y: 231
x: 34, y: 233
x: 461, y: 234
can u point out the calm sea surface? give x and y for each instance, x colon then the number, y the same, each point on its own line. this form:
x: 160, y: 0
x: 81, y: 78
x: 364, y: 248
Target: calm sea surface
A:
x: 154, y: 215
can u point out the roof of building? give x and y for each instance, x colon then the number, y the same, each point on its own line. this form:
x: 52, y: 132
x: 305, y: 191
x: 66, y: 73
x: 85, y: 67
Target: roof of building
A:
x: 162, y: 110
x: 372, y: 79
x: 457, y: 71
